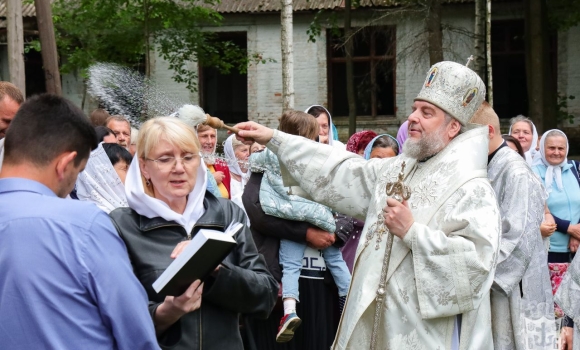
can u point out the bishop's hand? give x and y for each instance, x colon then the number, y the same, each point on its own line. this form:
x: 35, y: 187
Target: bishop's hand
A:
x: 398, y: 217
x: 252, y: 131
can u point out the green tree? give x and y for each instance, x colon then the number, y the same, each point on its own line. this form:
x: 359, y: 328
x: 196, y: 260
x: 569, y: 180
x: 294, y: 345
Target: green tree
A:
x: 125, y: 31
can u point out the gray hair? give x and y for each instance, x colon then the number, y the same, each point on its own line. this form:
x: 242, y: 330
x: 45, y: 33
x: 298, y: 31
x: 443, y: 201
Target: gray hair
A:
x: 521, y: 118
x: 449, y: 118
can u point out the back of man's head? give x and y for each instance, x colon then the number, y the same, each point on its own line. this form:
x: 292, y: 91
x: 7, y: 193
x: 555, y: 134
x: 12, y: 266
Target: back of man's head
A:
x: 45, y: 127
x: 11, y: 91
x: 485, y: 115
x: 99, y: 117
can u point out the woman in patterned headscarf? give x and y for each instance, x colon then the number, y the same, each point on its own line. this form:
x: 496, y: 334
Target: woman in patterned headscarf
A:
x: 359, y: 141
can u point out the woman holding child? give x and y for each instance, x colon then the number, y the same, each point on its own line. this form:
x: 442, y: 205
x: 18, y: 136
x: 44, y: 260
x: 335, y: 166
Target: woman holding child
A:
x: 299, y: 224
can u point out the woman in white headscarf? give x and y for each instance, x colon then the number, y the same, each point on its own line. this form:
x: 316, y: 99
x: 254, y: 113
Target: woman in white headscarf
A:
x: 560, y: 178
x: 100, y: 182
x: 237, y: 154
x: 168, y: 205
x: 326, y: 131
x: 524, y: 130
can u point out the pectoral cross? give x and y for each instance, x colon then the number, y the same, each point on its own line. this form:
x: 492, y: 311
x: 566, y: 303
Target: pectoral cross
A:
x: 398, y: 190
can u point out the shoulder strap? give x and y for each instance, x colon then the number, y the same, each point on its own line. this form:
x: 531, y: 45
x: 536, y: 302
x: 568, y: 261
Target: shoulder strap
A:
x: 575, y: 170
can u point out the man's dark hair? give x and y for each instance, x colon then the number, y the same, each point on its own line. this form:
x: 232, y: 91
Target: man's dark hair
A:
x: 117, y: 153
x: 99, y: 117
x: 103, y: 131
x: 44, y: 127
x: 510, y: 138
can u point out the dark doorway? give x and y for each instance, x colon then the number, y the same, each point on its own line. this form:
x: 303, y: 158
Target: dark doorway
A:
x: 225, y: 95
x: 34, y: 74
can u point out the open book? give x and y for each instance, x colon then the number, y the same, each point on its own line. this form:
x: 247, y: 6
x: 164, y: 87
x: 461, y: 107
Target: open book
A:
x: 202, y: 255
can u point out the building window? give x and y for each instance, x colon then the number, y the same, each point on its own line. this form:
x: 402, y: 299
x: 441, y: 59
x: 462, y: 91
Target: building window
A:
x: 225, y: 95
x: 374, y: 72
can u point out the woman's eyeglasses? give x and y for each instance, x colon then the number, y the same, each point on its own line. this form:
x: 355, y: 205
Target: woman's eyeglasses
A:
x: 166, y: 163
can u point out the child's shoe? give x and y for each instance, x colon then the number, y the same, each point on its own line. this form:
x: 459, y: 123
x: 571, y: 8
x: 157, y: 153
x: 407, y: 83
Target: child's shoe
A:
x: 288, y: 325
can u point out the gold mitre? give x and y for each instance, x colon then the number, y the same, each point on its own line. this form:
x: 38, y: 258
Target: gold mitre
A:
x: 454, y: 88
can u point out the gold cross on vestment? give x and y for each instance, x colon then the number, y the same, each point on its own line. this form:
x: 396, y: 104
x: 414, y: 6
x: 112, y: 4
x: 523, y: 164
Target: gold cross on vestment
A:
x: 398, y: 190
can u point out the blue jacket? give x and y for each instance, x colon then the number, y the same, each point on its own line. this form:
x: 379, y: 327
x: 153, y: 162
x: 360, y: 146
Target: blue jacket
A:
x: 277, y: 202
x: 563, y: 204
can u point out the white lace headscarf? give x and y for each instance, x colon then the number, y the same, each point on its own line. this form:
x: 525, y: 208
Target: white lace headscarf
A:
x: 100, y: 184
x: 553, y: 172
x: 232, y: 160
x: 530, y: 154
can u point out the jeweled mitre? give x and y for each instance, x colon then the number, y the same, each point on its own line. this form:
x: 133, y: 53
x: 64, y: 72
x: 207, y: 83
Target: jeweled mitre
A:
x: 455, y: 88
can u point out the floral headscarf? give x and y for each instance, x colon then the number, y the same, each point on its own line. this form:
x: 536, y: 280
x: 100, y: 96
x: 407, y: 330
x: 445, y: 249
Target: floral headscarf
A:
x: 360, y: 140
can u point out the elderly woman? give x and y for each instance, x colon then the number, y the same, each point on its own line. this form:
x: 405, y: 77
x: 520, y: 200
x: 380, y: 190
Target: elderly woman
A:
x: 382, y: 146
x: 168, y: 204
x: 524, y: 130
x: 560, y: 177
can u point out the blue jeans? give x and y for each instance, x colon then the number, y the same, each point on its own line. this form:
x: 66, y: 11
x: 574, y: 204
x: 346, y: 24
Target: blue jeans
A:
x: 291, y: 254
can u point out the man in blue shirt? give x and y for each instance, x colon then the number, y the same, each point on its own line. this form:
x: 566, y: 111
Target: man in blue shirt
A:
x: 65, y: 280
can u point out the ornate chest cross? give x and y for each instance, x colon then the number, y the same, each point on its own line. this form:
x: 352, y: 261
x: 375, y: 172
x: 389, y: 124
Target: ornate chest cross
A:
x: 397, y: 190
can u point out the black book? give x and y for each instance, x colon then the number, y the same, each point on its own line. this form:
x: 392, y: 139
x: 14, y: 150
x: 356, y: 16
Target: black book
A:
x: 202, y: 255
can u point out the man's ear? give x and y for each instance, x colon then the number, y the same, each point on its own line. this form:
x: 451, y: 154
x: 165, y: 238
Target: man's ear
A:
x: 454, y: 128
x: 62, y: 163
x: 491, y: 131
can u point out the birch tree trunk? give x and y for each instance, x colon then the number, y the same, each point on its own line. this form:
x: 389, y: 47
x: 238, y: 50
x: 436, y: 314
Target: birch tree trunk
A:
x: 488, y: 53
x: 48, y: 47
x: 287, y: 56
x: 348, y: 46
x: 480, y: 38
x: 435, y: 35
x: 16, y: 44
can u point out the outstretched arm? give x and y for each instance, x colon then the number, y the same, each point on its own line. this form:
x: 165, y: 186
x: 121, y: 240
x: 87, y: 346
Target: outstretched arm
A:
x: 336, y: 178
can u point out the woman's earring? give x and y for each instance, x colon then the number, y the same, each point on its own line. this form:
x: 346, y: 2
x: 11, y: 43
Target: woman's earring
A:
x: 147, y: 182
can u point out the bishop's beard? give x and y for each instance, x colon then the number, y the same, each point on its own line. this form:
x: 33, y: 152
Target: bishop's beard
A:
x: 427, y: 146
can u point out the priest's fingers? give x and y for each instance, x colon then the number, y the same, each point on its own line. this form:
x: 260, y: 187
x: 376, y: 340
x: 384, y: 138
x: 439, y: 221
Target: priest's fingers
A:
x: 179, y: 248
x: 252, y: 131
x: 391, y: 202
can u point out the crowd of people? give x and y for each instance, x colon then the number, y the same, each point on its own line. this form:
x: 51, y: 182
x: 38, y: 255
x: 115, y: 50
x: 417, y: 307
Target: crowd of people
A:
x: 448, y: 236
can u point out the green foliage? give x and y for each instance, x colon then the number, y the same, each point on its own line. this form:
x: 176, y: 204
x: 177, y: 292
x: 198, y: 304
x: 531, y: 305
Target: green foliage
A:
x: 32, y: 45
x: 563, y: 14
x: 562, y: 113
x: 120, y: 31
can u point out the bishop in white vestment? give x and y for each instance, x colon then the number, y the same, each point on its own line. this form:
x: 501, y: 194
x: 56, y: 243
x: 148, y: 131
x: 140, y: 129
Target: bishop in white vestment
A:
x: 435, y: 292
x: 522, y: 306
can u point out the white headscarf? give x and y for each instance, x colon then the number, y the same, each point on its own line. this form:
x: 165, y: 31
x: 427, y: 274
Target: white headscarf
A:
x: 151, y: 207
x: 100, y: 184
x: 553, y: 172
x: 233, y: 161
x: 531, y: 154
x: 331, y: 140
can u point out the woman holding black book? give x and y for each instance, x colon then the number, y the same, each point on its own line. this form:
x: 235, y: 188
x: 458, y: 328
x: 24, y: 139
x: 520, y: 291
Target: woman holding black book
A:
x: 169, y: 204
